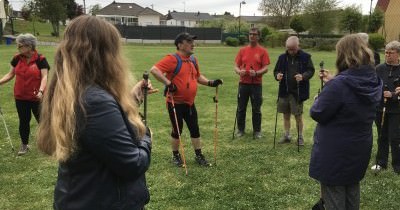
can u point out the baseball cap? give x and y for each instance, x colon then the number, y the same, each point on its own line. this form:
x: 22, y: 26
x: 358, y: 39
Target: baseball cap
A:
x: 184, y: 36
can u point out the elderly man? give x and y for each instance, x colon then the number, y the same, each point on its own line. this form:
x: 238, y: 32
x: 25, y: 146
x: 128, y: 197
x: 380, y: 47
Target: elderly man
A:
x: 293, y: 70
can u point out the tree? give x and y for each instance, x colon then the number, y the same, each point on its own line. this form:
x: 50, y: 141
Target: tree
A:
x: 351, y: 19
x: 297, y: 24
x: 73, y: 9
x: 94, y: 10
x: 376, y: 20
x: 321, y: 15
x: 30, y: 12
x: 281, y: 10
x: 54, y: 11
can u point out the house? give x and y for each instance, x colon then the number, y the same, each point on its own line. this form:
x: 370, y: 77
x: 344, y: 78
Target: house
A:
x: 391, y: 25
x: 253, y: 20
x: 187, y: 19
x: 2, y: 16
x: 130, y: 14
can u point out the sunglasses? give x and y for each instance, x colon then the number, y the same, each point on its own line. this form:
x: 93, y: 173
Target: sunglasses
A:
x: 253, y: 34
x: 21, y: 46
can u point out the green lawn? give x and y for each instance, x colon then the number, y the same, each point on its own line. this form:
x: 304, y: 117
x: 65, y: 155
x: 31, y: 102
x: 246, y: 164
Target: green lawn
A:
x: 249, y: 174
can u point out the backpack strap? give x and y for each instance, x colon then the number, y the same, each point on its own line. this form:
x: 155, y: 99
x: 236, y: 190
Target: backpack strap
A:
x: 179, y: 64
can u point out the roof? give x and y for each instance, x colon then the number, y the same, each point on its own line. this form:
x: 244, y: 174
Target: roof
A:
x: 189, y: 16
x: 126, y: 9
x: 148, y: 11
x: 253, y: 19
x: 383, y: 4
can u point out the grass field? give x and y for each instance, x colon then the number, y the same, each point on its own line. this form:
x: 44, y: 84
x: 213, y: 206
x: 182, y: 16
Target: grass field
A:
x: 249, y: 174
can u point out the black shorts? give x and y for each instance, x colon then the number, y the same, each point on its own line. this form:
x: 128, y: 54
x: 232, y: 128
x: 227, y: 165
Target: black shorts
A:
x: 187, y: 113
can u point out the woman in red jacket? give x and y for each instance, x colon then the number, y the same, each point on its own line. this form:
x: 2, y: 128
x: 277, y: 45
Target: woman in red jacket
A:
x: 30, y: 71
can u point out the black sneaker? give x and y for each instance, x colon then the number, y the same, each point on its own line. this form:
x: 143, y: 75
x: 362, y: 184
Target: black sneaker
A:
x: 201, y: 160
x: 177, y: 160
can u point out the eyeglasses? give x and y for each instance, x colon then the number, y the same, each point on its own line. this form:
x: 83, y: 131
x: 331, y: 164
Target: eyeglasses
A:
x: 390, y: 52
x: 21, y: 46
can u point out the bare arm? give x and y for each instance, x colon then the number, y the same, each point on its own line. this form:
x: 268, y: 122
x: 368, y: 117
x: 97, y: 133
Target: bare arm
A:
x: 202, y: 80
x: 43, y: 82
x: 159, y: 76
x: 9, y: 76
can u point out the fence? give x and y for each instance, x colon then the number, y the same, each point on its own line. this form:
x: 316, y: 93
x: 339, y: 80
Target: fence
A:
x: 167, y: 34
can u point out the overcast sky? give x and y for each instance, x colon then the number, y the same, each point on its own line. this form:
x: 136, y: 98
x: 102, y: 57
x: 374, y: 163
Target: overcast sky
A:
x: 207, y: 6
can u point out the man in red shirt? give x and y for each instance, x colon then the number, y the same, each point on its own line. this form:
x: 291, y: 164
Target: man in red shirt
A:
x: 251, y: 64
x: 181, y: 84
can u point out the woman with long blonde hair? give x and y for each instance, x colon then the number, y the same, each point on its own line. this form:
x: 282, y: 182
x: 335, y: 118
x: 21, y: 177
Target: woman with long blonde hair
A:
x: 91, y: 125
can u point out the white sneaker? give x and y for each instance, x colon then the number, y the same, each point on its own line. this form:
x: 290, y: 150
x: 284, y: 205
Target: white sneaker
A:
x: 376, y: 168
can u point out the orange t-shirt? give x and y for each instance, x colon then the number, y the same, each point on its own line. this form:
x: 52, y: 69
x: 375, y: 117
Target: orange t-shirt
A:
x: 185, y: 80
x: 252, y: 58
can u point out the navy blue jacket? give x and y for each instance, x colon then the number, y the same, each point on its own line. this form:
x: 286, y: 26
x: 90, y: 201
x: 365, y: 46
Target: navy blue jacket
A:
x: 344, y: 110
x: 108, y: 169
x: 304, y: 63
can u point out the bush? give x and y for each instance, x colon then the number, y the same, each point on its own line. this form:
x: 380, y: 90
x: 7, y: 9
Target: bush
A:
x: 277, y: 39
x: 326, y: 44
x: 243, y: 39
x: 376, y: 41
x: 265, y: 31
x: 231, y: 41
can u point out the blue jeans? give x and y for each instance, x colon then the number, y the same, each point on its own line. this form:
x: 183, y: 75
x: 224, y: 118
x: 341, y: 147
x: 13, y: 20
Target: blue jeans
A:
x: 254, y: 93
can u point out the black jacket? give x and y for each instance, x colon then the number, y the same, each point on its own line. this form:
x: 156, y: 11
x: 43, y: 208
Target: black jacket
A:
x: 108, y: 169
x: 390, y: 76
x: 305, y: 67
x: 344, y: 110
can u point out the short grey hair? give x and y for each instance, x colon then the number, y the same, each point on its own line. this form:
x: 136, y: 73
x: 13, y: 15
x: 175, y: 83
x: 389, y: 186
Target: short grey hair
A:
x: 364, y: 37
x: 292, y: 41
x: 27, y: 39
x: 393, y: 45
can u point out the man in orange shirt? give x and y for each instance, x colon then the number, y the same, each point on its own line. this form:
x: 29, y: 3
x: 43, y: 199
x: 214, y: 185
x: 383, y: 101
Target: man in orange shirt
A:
x: 181, y: 83
x: 251, y: 64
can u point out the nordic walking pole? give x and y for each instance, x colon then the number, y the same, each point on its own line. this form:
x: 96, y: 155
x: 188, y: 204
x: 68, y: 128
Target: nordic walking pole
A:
x: 297, y: 123
x: 216, y: 125
x: 276, y: 113
x: 8, y: 133
x: 380, y: 133
x: 236, y: 115
x: 321, y: 70
x: 145, y: 89
x: 179, y: 133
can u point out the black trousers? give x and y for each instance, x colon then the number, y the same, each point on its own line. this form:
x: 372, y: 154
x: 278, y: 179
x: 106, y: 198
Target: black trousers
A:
x: 254, y: 93
x: 389, y: 133
x: 25, y: 110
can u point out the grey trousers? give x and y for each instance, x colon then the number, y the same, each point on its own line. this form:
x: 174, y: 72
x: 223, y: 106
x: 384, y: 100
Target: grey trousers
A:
x: 341, y: 197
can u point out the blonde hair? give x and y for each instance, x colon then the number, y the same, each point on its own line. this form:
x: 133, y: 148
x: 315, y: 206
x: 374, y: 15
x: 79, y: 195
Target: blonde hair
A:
x: 89, y: 54
x: 353, y: 52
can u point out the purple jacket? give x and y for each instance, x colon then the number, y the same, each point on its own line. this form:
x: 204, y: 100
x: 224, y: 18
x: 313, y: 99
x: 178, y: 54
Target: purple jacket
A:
x: 345, y: 111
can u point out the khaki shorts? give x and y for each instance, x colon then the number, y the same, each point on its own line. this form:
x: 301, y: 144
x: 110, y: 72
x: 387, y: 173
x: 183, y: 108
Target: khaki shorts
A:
x: 290, y: 105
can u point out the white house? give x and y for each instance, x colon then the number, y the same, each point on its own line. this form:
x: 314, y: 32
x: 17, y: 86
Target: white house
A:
x: 187, y: 19
x: 130, y: 14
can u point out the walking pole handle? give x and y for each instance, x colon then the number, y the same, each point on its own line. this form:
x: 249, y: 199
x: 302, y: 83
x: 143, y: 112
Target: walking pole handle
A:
x: 145, y: 89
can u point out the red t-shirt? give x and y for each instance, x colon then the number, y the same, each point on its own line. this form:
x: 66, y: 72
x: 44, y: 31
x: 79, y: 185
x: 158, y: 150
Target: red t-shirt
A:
x: 252, y: 58
x: 185, y: 80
